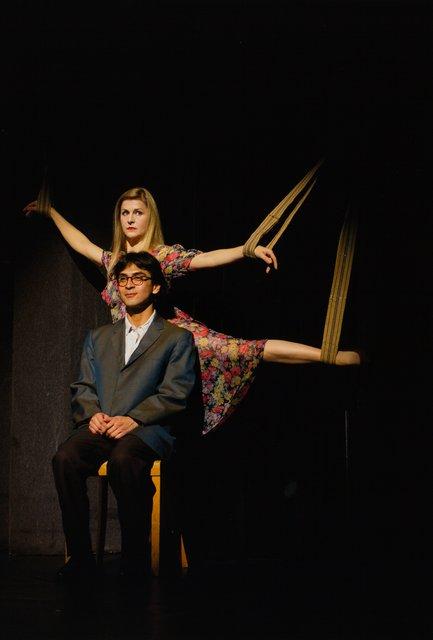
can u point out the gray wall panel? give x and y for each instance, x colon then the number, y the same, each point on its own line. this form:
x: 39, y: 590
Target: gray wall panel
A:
x: 54, y: 308
x: 5, y: 401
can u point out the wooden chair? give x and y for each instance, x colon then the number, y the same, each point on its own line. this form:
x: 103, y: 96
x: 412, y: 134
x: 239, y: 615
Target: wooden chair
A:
x: 169, y: 541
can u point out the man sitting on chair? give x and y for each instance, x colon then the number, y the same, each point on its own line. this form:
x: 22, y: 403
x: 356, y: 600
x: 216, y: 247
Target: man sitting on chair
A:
x: 133, y: 393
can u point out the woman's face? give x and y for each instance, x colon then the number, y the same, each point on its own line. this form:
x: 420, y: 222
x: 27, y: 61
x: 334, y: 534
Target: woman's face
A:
x: 134, y: 218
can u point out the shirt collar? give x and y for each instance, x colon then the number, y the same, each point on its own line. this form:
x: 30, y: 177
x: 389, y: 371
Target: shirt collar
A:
x: 130, y: 327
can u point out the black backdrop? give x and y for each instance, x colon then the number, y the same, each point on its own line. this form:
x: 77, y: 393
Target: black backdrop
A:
x: 219, y: 108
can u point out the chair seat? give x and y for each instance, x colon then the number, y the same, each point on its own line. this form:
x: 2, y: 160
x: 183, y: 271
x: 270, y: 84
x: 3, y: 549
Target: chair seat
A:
x: 155, y: 471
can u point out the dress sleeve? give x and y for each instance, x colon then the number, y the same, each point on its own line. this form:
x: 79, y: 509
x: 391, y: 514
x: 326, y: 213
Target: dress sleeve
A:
x: 106, y: 257
x: 110, y: 294
x: 175, y: 260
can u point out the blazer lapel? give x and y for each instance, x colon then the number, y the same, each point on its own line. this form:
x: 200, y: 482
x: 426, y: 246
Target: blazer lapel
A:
x: 118, y: 343
x: 113, y: 359
x: 151, y: 335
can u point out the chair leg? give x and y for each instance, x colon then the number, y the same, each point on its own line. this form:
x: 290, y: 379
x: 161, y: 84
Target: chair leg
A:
x: 101, y: 519
x: 155, y: 536
x: 183, y: 556
x: 172, y: 553
x: 102, y: 503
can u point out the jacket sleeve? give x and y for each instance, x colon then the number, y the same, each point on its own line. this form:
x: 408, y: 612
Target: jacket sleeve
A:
x: 172, y: 394
x: 85, y: 401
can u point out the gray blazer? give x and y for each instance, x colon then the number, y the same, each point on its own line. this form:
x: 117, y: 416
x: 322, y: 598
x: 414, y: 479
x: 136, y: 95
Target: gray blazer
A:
x: 153, y: 388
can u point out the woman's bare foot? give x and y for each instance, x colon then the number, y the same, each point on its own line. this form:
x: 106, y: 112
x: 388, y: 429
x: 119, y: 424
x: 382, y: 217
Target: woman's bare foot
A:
x: 345, y: 358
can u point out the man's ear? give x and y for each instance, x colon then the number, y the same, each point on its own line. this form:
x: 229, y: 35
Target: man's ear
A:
x: 156, y: 289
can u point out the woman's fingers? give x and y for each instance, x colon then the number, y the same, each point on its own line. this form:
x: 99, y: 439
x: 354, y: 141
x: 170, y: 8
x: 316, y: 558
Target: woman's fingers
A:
x: 268, y: 256
x: 34, y: 207
x: 273, y: 258
x: 29, y: 207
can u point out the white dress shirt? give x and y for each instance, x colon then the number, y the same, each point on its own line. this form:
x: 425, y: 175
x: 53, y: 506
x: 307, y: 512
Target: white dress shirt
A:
x: 133, y: 335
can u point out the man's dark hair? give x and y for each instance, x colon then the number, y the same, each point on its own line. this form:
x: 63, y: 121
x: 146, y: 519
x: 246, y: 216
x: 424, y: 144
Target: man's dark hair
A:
x: 143, y: 260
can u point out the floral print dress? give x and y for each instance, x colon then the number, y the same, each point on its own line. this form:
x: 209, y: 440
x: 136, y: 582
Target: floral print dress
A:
x: 227, y: 364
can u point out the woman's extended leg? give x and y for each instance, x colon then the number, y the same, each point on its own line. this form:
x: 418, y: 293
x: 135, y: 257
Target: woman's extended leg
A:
x: 287, y: 352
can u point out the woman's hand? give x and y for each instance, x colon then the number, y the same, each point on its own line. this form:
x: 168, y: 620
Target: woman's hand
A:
x: 267, y: 255
x: 32, y: 207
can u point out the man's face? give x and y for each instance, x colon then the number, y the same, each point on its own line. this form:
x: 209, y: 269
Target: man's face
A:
x: 138, y: 292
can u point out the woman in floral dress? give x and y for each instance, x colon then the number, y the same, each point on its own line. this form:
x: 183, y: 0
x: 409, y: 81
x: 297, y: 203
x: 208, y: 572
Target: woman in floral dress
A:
x: 227, y: 364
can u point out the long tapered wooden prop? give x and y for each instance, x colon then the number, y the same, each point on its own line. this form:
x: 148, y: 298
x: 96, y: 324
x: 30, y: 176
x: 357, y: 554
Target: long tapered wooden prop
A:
x: 301, y: 191
x: 340, y: 285
x: 43, y: 202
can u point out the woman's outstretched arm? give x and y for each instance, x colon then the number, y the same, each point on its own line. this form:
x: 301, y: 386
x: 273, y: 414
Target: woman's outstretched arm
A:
x: 220, y: 257
x: 75, y: 239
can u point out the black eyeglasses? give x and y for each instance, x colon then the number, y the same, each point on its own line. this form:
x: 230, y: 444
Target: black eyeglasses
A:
x: 122, y: 281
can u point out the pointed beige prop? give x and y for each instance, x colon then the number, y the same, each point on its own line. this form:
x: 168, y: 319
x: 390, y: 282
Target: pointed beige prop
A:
x: 43, y: 202
x: 340, y: 285
x: 305, y: 185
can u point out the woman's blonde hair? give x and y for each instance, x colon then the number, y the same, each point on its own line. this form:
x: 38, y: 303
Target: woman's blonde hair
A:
x: 153, y: 236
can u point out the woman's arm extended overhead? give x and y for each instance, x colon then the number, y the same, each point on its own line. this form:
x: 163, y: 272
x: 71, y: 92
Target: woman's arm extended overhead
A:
x: 75, y: 238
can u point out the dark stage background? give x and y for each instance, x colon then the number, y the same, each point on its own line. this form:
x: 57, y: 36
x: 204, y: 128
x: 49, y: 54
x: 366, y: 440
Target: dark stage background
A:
x: 218, y: 109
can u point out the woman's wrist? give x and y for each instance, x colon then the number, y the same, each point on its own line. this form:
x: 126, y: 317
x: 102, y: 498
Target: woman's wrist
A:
x: 248, y: 252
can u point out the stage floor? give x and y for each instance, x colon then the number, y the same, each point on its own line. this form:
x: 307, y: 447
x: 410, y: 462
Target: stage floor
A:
x: 261, y: 599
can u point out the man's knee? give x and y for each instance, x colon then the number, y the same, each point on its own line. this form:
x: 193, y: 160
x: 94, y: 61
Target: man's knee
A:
x: 130, y: 453
x: 126, y: 468
x: 61, y: 458
x: 67, y: 455
x: 121, y: 463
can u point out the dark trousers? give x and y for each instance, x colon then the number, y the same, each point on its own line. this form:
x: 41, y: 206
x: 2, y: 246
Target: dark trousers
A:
x: 128, y: 469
